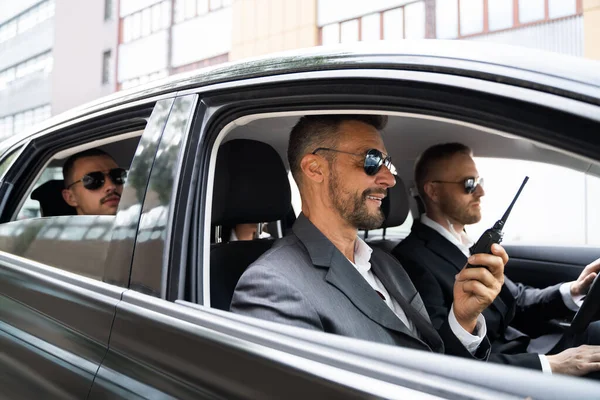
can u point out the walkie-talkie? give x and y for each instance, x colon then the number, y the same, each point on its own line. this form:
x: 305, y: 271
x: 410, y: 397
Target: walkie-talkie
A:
x: 494, y: 234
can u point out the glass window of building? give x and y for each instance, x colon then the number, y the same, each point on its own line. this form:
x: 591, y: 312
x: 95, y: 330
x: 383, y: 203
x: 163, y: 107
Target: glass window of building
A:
x: 136, y: 29
x: 349, y: 31
x: 146, y: 22
x: 414, y: 20
x: 446, y: 19
x: 190, y: 9
x: 108, y: 9
x: 393, y: 24
x: 500, y: 14
x: 371, y: 27
x: 471, y: 17
x: 202, y: 6
x: 214, y: 4
x: 531, y: 10
x: 561, y: 8
x: 156, y: 21
x: 330, y: 34
x: 106, y: 66
x: 166, y: 14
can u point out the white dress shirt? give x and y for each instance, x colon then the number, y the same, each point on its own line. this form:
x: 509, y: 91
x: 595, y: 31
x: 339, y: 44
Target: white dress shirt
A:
x: 464, y: 242
x: 362, y: 256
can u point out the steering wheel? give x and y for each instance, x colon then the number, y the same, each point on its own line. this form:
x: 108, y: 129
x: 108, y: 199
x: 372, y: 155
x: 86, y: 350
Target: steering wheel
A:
x: 589, y: 310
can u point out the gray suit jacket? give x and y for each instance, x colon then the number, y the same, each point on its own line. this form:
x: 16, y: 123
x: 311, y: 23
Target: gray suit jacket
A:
x: 305, y: 281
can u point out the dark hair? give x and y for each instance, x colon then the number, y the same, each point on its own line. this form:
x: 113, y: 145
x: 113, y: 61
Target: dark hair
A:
x: 314, y: 131
x: 68, y: 165
x: 432, y: 156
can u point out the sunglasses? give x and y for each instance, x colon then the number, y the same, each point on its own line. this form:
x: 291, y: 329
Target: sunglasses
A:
x: 95, y: 180
x: 374, y: 160
x: 470, y: 184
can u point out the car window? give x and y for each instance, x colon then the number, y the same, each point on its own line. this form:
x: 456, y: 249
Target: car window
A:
x: 557, y: 206
x: 47, y: 230
x: 31, y: 208
x: 8, y: 161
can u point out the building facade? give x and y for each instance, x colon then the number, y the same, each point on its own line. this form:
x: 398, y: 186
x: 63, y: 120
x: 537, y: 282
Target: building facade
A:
x: 26, y: 63
x: 57, y: 54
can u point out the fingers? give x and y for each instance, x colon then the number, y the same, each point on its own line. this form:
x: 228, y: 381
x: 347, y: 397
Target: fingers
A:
x: 481, y: 275
x: 479, y: 290
x: 494, y: 263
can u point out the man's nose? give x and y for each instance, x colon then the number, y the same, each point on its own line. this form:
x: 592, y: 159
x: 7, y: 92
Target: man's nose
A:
x: 479, y: 191
x: 385, y: 178
x: 109, y: 186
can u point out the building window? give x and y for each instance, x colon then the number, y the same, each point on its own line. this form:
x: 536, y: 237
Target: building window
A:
x: 349, y: 31
x: 531, y: 10
x: 446, y: 19
x: 393, y: 24
x: 145, y: 22
x: 414, y: 20
x: 108, y: 9
x: 561, y: 8
x: 27, y: 20
x: 471, y: 17
x: 370, y: 27
x: 188, y: 9
x: 106, y: 66
x: 330, y: 34
x: 500, y: 14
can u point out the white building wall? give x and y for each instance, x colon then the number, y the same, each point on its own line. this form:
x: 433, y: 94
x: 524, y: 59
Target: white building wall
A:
x: 562, y: 36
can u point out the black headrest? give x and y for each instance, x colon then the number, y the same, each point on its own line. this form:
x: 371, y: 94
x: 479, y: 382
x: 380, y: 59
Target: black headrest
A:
x: 52, y: 204
x: 251, y: 184
x: 395, y: 205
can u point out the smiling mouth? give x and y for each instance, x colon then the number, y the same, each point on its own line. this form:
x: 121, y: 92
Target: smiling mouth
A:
x: 375, y: 198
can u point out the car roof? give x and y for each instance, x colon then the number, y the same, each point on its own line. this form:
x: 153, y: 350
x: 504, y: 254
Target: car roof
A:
x: 568, y: 76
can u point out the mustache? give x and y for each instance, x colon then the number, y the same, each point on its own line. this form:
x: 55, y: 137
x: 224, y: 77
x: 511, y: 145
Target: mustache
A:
x: 370, y: 192
x: 108, y: 196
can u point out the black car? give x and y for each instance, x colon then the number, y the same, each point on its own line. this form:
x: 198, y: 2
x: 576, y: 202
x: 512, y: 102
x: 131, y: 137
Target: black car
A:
x: 136, y: 305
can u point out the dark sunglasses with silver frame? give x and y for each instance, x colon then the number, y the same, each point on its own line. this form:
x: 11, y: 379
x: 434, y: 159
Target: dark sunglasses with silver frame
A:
x: 95, y: 180
x: 470, y: 184
x: 374, y: 160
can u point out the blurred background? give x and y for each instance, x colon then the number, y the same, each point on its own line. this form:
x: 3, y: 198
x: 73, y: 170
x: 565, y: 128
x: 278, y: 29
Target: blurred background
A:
x: 58, y: 54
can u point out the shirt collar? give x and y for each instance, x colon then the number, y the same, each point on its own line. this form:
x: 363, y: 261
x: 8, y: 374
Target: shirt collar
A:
x: 463, y: 245
x: 362, y: 255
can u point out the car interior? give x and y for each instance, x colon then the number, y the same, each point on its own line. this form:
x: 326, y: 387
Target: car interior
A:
x: 45, y: 199
x: 252, y: 185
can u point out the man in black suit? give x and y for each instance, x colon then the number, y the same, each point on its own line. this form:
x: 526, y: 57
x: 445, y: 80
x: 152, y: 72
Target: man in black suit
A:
x: 438, y: 247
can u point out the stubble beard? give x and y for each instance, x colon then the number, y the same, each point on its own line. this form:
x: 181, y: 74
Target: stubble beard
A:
x: 353, y: 208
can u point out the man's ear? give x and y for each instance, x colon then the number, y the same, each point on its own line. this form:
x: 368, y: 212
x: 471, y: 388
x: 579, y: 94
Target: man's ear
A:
x: 431, y: 191
x: 69, y: 198
x: 312, y: 167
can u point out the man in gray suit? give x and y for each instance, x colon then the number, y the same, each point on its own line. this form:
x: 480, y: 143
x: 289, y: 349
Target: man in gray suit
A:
x: 324, y: 277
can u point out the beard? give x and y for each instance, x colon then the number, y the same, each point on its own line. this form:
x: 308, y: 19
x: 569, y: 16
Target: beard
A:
x: 353, y: 207
x: 459, y: 212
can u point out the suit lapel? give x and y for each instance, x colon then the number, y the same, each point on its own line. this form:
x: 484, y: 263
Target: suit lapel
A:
x: 398, y: 284
x: 346, y: 278
x: 448, y: 251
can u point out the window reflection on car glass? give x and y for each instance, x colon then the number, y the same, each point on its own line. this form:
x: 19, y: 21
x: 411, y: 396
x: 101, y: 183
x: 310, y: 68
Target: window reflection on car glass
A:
x: 31, y: 208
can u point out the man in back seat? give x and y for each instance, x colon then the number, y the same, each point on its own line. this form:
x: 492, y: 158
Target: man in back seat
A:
x: 93, y: 183
x: 438, y: 247
x: 323, y: 277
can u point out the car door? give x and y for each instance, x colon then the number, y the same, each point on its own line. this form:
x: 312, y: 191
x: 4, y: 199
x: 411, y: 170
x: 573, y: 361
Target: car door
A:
x: 167, y: 341
x: 61, y: 277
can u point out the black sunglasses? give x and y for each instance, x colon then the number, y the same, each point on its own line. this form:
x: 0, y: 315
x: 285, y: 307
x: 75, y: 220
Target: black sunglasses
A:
x: 470, y: 184
x: 95, y: 180
x: 374, y: 160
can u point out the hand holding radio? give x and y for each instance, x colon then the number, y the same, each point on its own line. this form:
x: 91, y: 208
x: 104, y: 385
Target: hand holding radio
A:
x: 494, y: 234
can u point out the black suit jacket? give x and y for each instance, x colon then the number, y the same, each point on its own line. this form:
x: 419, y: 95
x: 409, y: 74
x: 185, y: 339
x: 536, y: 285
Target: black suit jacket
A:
x: 305, y: 281
x: 512, y: 319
